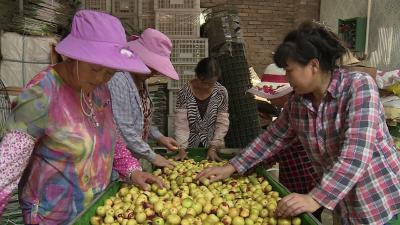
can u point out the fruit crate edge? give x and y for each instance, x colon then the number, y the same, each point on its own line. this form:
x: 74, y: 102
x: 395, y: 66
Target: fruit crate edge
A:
x: 84, y: 217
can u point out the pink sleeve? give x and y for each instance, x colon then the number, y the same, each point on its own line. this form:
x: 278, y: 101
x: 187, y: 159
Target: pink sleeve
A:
x: 15, y: 151
x: 124, y: 161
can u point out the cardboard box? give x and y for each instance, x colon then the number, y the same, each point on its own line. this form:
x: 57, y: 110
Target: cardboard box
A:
x: 370, y: 70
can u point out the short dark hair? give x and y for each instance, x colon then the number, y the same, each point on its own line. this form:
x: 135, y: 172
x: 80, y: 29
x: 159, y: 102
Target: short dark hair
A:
x: 310, y: 41
x: 208, y: 69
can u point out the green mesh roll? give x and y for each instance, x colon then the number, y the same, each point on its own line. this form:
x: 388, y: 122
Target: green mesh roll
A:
x: 244, y: 121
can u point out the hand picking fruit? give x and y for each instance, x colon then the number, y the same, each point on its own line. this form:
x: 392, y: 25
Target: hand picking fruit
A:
x: 186, y: 201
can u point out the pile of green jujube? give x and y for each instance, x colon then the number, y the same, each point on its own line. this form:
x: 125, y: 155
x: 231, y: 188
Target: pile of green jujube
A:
x: 184, y: 200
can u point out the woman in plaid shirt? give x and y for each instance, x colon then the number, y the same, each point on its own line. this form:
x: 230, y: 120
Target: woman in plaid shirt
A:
x: 296, y: 171
x: 339, y: 119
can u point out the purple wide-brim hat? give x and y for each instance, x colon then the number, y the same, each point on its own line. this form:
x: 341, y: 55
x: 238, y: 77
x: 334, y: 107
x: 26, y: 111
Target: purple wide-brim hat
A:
x: 100, y: 39
x: 155, y: 48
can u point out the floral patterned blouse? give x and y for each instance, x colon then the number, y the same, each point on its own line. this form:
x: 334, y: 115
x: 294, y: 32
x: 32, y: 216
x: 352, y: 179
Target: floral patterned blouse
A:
x: 72, y: 159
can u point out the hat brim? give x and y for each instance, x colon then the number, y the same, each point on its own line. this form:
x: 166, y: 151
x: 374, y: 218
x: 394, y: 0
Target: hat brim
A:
x: 157, y: 62
x: 282, y: 92
x: 101, y: 53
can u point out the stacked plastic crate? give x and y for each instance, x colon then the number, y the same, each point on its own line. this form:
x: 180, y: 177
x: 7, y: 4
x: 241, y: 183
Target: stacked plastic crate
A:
x: 135, y: 15
x: 158, y: 95
x: 180, y: 21
x: 98, y: 5
x: 127, y: 12
x: 146, y: 14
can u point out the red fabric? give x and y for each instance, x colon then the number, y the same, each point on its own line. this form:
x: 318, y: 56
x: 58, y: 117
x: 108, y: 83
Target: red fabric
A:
x: 273, y: 78
x: 295, y: 169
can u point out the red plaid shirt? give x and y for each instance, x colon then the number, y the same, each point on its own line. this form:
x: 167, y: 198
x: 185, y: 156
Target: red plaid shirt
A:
x: 296, y: 171
x: 348, y: 141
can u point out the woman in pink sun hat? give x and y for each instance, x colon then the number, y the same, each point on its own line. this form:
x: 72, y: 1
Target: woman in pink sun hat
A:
x: 61, y: 137
x: 131, y: 103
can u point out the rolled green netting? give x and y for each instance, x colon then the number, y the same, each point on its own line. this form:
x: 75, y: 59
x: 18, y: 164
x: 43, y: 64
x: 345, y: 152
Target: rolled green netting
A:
x: 7, y: 9
x: 226, y: 44
x: 40, y: 17
x: 244, y: 121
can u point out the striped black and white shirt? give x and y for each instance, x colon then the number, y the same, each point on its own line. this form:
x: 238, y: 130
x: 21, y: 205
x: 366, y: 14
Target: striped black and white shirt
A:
x: 204, y: 130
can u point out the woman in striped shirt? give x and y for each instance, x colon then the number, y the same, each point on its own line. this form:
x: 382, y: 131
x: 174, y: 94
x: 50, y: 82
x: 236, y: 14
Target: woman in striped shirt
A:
x: 202, y: 118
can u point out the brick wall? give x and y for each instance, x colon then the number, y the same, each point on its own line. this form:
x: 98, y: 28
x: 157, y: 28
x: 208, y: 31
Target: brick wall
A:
x: 265, y: 22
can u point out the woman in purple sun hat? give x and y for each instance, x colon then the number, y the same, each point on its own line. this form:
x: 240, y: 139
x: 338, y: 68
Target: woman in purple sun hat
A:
x: 61, y: 137
x: 131, y: 104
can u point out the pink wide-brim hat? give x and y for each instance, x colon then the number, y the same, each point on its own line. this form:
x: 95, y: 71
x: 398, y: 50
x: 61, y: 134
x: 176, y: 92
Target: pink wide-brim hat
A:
x: 273, y: 84
x: 154, y: 48
x: 100, y: 39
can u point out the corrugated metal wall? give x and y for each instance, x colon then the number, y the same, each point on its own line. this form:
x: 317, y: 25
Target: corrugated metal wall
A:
x: 384, y: 32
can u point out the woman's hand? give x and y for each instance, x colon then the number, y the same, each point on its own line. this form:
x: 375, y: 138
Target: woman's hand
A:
x: 216, y: 173
x: 212, y: 155
x: 294, y: 204
x: 169, y: 143
x: 182, y: 154
x: 160, y: 161
x: 143, y: 179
